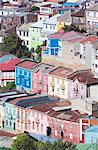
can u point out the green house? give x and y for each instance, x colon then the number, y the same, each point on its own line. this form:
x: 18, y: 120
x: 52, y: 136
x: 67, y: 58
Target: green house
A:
x: 35, y: 38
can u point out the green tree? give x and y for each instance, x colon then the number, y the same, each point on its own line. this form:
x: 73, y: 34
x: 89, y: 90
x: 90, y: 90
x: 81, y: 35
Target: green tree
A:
x: 13, y: 44
x: 23, y: 142
x: 43, y: 146
x: 34, y: 8
x: 73, y: 27
x: 59, y: 145
x: 39, y: 52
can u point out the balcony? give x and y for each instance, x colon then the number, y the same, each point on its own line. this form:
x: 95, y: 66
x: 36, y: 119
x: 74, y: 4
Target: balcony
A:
x: 62, y: 86
x: 52, y: 84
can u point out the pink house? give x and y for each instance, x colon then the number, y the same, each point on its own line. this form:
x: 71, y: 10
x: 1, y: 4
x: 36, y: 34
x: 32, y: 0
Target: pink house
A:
x: 40, y: 78
x: 82, y: 84
x: 77, y: 89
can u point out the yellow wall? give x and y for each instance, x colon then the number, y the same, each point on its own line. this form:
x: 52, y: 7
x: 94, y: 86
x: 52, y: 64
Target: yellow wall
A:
x: 58, y: 84
x: 60, y: 25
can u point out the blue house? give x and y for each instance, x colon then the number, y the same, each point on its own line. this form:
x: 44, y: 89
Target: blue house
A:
x: 91, y: 135
x: 23, y: 75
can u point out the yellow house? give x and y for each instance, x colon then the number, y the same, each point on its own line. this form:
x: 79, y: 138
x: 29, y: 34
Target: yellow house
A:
x: 64, y: 19
x: 58, y: 83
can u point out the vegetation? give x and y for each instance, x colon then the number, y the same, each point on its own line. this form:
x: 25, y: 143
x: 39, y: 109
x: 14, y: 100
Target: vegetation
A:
x: 73, y: 27
x: 25, y: 142
x: 34, y: 8
x: 13, y: 44
x: 9, y: 86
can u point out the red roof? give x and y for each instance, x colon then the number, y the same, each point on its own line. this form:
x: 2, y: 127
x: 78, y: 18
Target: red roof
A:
x: 61, y: 72
x: 85, y: 76
x: 28, y: 64
x: 10, y: 65
x: 90, y: 39
x: 4, y: 133
x: 68, y: 36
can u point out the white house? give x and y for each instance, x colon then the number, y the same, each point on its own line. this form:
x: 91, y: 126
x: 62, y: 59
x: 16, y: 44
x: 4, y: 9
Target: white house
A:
x: 23, y: 33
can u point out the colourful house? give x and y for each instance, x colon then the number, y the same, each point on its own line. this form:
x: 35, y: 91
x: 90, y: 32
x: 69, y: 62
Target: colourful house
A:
x: 23, y: 75
x: 35, y: 39
x: 63, y: 49
x: 9, y: 116
x: 58, y: 83
x: 91, y: 135
x: 40, y: 78
x: 7, y: 69
x: 83, y: 84
x: 49, y: 26
x: 64, y: 19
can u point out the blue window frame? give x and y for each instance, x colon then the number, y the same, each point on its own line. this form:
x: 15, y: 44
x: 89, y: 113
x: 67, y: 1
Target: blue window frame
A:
x: 52, y: 51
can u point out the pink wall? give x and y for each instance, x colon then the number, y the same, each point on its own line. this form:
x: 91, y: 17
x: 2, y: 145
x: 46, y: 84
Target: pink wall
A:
x: 80, y: 93
x: 40, y: 83
x: 67, y: 127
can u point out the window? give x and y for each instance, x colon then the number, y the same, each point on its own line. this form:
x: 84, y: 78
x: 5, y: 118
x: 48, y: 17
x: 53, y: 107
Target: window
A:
x: 6, y: 122
x: 46, y: 26
x: 27, y: 34
x: 52, y: 89
x: 56, y: 132
x: 57, y: 80
x: 57, y: 89
x: 71, y: 136
x: 33, y: 125
x: 10, y: 123
x: 94, y: 14
x: 20, y: 32
x: 33, y: 39
x: 50, y: 27
x: 41, y: 127
x: 24, y: 33
x: 27, y: 42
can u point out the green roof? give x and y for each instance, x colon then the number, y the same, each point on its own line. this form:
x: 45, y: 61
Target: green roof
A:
x: 87, y: 147
x: 6, y: 58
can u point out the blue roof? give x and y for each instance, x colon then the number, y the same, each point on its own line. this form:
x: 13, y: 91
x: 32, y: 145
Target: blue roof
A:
x: 93, y: 128
x: 43, y: 138
x: 70, y: 4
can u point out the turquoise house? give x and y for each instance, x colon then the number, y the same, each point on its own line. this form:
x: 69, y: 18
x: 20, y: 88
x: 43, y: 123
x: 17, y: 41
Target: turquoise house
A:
x: 91, y: 135
x: 9, y: 116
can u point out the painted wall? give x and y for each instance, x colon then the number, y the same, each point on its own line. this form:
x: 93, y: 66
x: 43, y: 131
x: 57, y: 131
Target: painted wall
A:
x: 21, y: 120
x: 69, y: 130
x: 57, y: 87
x: 23, y: 79
x: 9, y: 116
x: 38, y: 122
x: 1, y: 116
x: 35, y: 39
x: 40, y: 83
x: 6, y: 77
x: 77, y: 89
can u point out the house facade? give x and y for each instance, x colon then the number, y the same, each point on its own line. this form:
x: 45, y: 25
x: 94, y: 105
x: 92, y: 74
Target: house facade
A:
x: 91, y: 18
x: 7, y: 71
x: 23, y: 33
x: 85, y: 84
x: 40, y: 78
x: 35, y: 38
x: 9, y: 116
x: 49, y: 26
x: 79, y: 19
x: 58, y: 83
x: 23, y: 76
x: 63, y: 49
